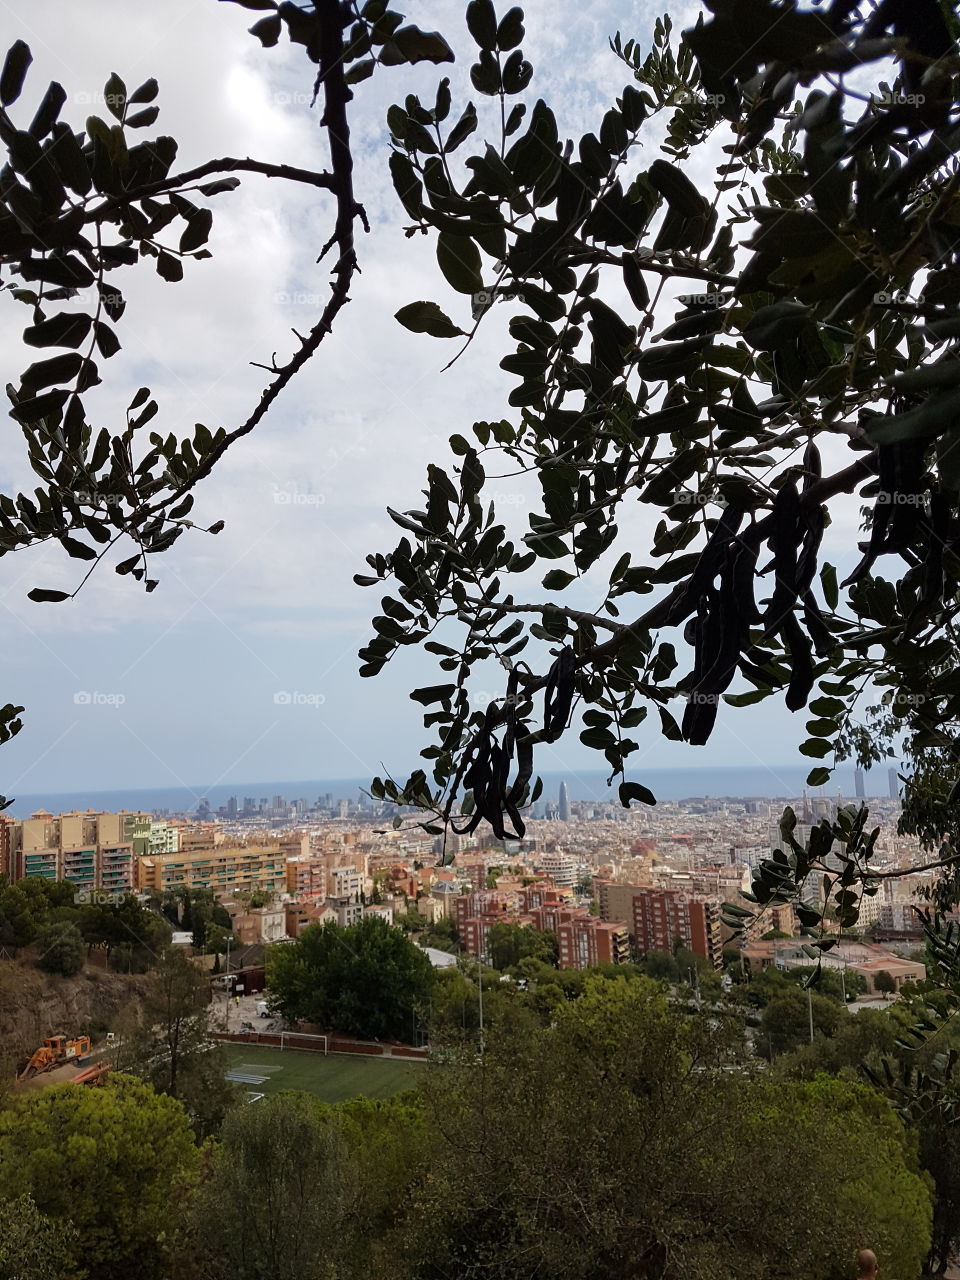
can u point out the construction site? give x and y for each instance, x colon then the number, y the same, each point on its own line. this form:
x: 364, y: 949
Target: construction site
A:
x: 60, y: 1060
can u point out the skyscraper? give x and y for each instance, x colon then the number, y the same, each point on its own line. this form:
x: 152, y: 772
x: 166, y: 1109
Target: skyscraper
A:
x: 893, y: 782
x: 858, y: 784
x: 564, y: 807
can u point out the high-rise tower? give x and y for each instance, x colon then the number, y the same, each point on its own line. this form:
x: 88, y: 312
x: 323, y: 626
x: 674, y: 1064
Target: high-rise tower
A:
x: 564, y: 803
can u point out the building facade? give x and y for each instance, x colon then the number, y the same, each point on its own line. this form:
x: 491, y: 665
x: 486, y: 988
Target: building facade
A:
x: 95, y: 852
x: 657, y: 919
x: 224, y: 869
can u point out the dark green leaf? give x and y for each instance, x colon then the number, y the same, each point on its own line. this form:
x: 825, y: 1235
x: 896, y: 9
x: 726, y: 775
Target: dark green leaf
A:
x: 459, y: 261
x: 41, y: 594
x: 426, y: 317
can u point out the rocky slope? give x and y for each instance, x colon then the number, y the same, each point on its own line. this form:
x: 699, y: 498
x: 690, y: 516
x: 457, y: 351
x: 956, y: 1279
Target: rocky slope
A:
x: 34, y: 1005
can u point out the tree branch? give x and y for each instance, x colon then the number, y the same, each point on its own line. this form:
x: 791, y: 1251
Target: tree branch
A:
x: 328, y: 181
x: 336, y: 95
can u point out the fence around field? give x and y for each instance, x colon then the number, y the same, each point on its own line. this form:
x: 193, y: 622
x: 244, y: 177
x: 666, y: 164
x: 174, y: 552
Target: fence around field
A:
x: 324, y: 1044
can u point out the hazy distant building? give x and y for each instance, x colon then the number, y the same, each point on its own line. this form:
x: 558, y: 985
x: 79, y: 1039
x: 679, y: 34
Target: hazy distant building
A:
x: 859, y: 789
x: 564, y: 804
x: 893, y: 783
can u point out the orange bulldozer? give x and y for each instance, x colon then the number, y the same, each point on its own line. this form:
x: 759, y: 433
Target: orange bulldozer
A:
x: 54, y: 1052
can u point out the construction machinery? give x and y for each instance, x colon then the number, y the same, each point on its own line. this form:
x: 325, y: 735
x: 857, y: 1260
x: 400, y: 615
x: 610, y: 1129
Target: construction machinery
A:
x: 54, y: 1052
x: 92, y: 1075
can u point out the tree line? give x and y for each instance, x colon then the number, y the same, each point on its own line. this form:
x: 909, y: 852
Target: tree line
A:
x: 620, y: 1136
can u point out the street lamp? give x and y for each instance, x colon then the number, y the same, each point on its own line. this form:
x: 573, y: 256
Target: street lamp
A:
x: 229, y: 939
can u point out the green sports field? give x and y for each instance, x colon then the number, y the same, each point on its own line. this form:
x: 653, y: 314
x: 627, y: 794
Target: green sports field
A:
x: 332, y: 1078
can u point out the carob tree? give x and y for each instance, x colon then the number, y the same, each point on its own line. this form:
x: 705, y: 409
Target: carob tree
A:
x: 816, y: 360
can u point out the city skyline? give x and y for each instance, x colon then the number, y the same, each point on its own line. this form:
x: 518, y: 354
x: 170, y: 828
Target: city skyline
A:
x: 786, y: 781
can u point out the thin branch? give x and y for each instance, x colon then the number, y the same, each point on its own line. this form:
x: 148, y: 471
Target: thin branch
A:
x: 229, y: 164
x: 336, y: 95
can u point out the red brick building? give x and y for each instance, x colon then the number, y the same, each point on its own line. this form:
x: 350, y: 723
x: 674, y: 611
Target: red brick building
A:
x: 584, y: 940
x: 656, y: 918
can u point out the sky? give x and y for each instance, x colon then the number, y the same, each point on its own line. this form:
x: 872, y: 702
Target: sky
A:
x: 242, y: 664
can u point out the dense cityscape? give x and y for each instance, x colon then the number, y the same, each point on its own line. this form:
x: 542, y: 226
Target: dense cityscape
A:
x: 610, y: 883
x: 620, y: 507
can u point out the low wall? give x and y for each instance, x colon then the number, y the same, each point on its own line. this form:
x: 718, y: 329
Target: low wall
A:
x: 335, y: 1044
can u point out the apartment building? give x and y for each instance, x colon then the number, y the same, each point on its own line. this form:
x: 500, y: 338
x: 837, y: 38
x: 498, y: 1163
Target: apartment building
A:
x: 346, y: 882
x: 224, y: 869
x: 347, y: 909
x: 474, y: 934
x: 560, y: 867
x: 900, y: 918
x: 380, y: 911
x: 258, y: 924
x: 583, y: 940
x: 164, y: 838
x: 92, y: 850
x: 446, y: 894
x: 483, y: 902
x: 307, y: 876
x: 200, y: 835
x: 300, y: 915
x: 656, y: 918
x: 9, y: 845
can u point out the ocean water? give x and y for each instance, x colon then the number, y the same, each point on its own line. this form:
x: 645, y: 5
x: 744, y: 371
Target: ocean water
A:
x: 783, y: 782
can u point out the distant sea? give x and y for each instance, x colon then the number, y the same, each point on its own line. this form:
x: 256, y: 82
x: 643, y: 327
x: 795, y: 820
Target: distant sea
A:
x: 784, y: 782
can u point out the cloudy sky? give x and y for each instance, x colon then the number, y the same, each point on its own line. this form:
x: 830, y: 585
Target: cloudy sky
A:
x: 189, y: 685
